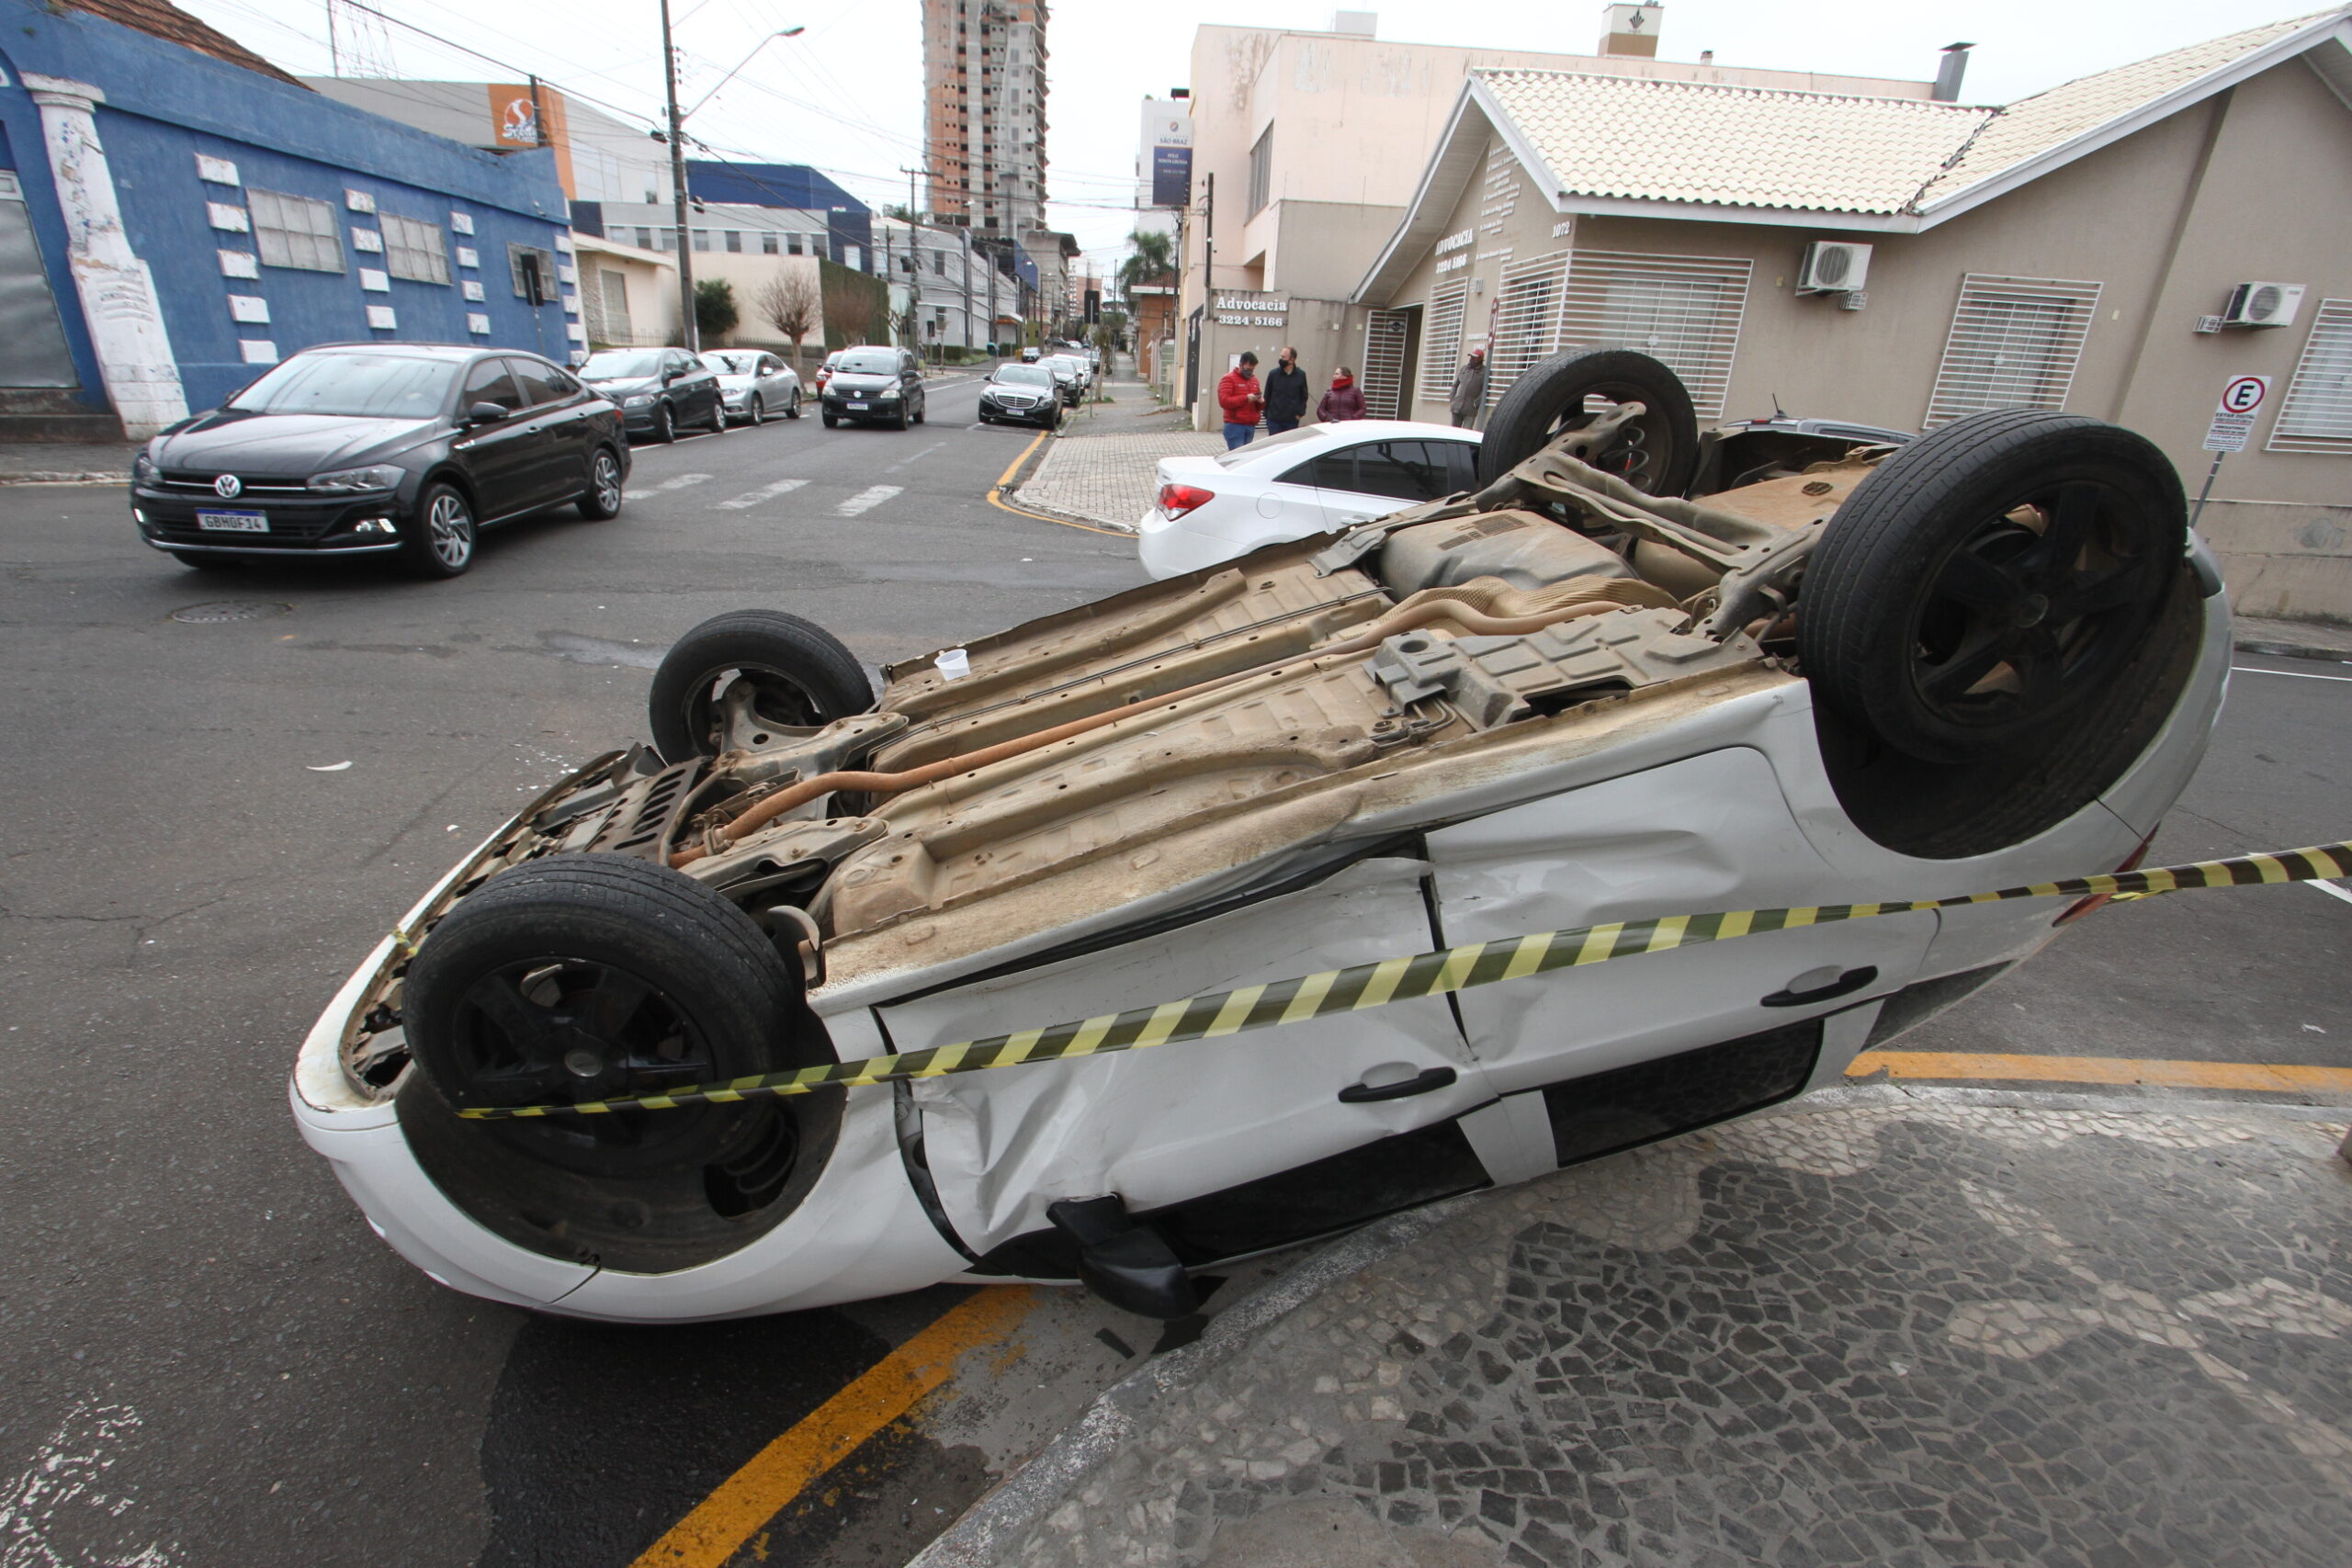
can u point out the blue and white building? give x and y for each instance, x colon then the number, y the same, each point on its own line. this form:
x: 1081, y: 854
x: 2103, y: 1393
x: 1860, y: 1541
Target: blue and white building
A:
x: 175, y: 213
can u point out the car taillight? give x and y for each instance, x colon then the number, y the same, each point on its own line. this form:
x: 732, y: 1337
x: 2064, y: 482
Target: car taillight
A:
x: 2081, y: 906
x: 1177, y: 499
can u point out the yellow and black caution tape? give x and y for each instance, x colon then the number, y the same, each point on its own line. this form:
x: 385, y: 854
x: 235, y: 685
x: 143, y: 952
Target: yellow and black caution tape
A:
x: 1423, y: 974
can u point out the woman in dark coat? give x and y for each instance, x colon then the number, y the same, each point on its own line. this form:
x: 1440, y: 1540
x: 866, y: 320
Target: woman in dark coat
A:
x: 1343, y: 402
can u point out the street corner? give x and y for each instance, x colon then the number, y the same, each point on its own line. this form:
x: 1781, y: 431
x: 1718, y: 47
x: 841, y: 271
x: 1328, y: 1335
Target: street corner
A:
x: 1870, y: 1333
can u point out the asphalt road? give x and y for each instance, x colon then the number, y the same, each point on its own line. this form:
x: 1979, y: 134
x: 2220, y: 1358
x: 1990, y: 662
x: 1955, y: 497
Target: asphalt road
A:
x: 210, y: 1359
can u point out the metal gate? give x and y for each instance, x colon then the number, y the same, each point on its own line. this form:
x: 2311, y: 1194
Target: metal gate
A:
x: 1387, y: 364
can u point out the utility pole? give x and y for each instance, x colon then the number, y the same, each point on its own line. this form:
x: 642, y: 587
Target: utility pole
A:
x: 678, y: 186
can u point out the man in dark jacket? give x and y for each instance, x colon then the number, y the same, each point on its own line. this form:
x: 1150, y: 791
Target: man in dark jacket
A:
x: 1469, y: 390
x: 1285, y: 394
x: 1241, y: 400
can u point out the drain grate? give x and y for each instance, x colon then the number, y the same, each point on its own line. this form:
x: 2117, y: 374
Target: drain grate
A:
x: 229, y: 610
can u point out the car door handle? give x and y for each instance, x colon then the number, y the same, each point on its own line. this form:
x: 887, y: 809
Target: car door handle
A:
x: 1365, y: 1093
x: 1852, y: 980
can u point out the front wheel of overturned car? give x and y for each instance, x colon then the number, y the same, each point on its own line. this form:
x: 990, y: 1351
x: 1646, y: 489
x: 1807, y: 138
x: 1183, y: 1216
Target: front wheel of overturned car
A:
x: 1995, y: 624
x: 1656, y: 453
x: 582, y: 978
x: 773, y: 668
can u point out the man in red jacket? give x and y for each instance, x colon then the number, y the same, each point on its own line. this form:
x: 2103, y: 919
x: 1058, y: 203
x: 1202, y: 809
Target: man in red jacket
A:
x: 1242, y: 400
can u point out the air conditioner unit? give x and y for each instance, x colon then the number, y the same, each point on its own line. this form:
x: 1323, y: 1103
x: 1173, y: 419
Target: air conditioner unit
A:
x: 1833, y: 267
x: 2262, y: 305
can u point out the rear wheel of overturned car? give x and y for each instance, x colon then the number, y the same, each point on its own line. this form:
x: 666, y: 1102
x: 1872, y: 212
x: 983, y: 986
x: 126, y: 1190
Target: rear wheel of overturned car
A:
x: 790, y: 673
x: 1656, y: 452
x: 1993, y: 625
x: 585, y: 978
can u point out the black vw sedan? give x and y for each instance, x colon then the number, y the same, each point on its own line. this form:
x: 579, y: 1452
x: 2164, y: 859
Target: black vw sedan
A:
x: 376, y: 448
x: 659, y: 389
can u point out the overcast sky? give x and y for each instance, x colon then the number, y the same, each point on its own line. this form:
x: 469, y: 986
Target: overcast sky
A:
x: 846, y: 95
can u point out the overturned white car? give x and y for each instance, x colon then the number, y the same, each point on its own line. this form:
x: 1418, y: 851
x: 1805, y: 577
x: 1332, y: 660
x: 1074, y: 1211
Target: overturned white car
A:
x: 1844, y: 671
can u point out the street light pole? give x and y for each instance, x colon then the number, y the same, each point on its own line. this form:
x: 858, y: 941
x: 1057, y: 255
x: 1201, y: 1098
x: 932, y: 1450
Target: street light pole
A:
x: 678, y: 186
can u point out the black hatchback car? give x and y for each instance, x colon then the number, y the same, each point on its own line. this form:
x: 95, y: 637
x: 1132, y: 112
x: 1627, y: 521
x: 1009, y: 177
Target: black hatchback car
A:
x: 659, y: 389
x: 379, y: 448
x: 881, y: 386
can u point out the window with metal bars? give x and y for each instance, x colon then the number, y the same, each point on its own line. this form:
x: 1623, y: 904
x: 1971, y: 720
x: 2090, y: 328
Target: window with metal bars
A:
x: 1261, y: 170
x: 1527, y: 319
x: 2316, y: 414
x: 294, y: 230
x: 413, y: 249
x: 1441, y: 340
x: 2015, y: 342
x: 1684, y: 310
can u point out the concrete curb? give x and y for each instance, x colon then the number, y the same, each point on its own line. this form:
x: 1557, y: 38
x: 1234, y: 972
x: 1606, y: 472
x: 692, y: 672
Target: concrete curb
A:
x: 994, y: 1527
x: 1064, y: 515
x: 2275, y: 649
x: 995, y: 1523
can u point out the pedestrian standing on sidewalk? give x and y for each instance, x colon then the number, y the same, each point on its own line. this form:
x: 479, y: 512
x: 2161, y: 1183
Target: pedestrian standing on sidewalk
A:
x: 1285, y: 394
x: 1344, y: 401
x: 1469, y: 390
x: 1242, y: 400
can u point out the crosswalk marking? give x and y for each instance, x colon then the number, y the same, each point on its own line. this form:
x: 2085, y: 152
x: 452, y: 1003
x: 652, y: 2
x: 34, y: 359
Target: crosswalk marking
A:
x: 766, y: 492
x: 867, y: 500
x: 681, y: 482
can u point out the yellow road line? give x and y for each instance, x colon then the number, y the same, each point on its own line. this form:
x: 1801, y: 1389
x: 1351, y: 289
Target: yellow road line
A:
x: 779, y: 1472
x: 996, y: 495
x: 2273, y: 1077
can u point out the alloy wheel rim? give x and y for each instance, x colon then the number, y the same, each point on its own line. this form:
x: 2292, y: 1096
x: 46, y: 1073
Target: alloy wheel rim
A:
x: 570, y: 1028
x: 608, y: 481
x: 450, y: 530
x: 2031, y: 609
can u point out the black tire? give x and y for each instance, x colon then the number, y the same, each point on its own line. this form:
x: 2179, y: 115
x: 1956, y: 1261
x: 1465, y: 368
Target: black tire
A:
x: 603, y: 498
x: 1983, y: 586
x: 792, y: 408
x: 717, y: 421
x: 585, y: 976
x: 1657, y: 454
x: 922, y: 409
x: 441, y: 541
x: 801, y: 675
x: 832, y: 420
x: 759, y: 409
x: 665, y: 423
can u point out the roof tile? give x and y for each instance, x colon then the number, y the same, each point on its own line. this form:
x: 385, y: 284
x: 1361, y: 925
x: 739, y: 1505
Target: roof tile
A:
x: 159, y: 18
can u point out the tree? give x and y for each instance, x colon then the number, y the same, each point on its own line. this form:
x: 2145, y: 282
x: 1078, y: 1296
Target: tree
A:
x: 715, y: 312
x: 791, y: 303
x: 1153, y: 260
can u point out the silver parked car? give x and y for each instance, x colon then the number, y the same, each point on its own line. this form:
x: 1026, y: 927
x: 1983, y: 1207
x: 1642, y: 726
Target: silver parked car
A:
x: 754, y: 384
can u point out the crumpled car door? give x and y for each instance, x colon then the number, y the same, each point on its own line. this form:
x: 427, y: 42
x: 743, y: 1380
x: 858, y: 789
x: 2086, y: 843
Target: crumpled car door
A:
x: 1175, y: 1122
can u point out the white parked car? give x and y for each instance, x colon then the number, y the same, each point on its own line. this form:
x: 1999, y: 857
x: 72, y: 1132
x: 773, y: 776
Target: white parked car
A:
x: 1854, y: 671
x: 754, y: 384
x: 1302, y: 481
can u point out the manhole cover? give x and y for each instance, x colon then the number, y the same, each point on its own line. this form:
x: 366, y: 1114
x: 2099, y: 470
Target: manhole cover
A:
x: 228, y: 610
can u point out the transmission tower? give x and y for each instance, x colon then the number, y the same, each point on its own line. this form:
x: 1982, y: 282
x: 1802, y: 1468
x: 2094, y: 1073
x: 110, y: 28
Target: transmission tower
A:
x: 357, y: 42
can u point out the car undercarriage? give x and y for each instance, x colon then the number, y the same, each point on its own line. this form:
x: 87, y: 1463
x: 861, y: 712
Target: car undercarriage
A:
x: 1116, y: 790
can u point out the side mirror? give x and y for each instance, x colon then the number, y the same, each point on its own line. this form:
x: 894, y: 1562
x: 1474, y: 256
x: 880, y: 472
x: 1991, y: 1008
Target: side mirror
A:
x: 670, y: 375
x: 485, y: 413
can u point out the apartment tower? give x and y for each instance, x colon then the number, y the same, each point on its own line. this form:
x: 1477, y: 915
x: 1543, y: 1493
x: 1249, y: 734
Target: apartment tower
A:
x: 984, y: 75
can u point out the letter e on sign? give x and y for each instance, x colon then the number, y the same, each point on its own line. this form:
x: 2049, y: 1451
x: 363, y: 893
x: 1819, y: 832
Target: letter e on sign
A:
x: 2233, y: 424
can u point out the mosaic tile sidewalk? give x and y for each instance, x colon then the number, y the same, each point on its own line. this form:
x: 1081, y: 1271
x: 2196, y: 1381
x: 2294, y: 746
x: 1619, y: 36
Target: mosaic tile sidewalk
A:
x: 1109, y: 480
x: 1889, y: 1332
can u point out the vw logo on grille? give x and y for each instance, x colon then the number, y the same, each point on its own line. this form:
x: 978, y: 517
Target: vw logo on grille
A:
x: 227, y: 487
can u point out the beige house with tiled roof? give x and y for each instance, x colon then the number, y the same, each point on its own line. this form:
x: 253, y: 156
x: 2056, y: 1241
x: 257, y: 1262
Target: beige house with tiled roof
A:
x: 2079, y: 249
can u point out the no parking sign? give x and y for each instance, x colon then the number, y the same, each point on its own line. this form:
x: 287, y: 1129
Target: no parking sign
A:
x: 2232, y: 423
